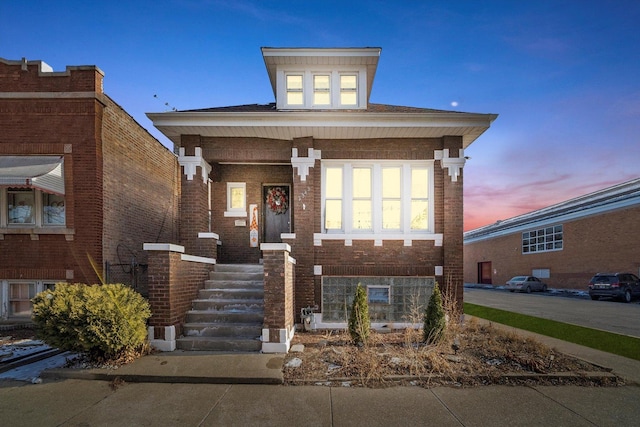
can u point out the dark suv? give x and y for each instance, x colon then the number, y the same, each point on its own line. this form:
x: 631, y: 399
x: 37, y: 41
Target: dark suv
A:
x: 623, y: 286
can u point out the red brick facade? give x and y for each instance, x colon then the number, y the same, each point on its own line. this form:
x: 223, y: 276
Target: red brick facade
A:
x: 121, y: 187
x: 598, y: 243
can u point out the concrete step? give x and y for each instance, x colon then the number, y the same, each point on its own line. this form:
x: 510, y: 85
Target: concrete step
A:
x: 244, y: 330
x: 242, y: 268
x: 222, y: 344
x: 236, y: 293
x: 230, y: 305
x: 233, y: 284
x: 207, y: 316
x: 236, y: 275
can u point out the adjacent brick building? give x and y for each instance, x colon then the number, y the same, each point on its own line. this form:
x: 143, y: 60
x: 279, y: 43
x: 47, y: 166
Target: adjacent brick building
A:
x: 80, y: 182
x: 564, y: 244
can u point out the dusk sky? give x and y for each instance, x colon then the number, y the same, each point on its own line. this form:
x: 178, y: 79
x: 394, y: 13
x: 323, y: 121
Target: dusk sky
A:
x: 563, y: 76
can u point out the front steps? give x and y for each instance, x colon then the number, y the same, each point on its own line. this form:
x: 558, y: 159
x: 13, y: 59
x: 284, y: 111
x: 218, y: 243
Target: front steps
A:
x: 228, y: 313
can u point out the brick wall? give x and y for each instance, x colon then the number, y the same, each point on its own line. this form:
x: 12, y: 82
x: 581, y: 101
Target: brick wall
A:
x: 592, y: 244
x: 278, y: 291
x: 173, y: 285
x: 140, y: 188
x: 39, y: 123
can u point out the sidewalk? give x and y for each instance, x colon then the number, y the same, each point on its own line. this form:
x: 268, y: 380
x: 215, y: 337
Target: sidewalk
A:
x: 210, y: 389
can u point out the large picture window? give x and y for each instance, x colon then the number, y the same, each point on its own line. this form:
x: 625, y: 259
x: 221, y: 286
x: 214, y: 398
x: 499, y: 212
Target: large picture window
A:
x: 377, y: 198
x: 543, y: 240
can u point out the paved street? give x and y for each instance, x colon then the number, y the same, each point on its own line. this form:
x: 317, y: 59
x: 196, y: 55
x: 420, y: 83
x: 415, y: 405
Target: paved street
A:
x: 610, y: 316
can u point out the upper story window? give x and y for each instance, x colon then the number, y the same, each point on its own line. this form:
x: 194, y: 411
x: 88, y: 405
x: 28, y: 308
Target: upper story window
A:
x: 377, y: 198
x: 321, y: 89
x: 348, y: 89
x: 294, y: 89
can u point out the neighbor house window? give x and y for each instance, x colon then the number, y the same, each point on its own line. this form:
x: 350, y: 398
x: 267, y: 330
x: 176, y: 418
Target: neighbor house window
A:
x: 27, y: 207
x: 386, y: 197
x: 295, y: 93
x: 542, y: 240
x: 236, y: 199
x: 19, y: 294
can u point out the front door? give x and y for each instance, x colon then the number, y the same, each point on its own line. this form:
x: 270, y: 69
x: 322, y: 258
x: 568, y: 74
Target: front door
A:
x: 276, y: 212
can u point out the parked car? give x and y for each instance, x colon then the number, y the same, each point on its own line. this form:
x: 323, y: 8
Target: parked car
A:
x: 526, y: 284
x: 622, y: 286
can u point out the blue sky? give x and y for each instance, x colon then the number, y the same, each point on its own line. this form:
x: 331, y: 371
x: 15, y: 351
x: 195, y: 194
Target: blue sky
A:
x: 562, y: 75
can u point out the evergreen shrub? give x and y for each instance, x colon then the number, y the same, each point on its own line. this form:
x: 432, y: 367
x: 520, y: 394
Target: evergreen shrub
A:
x: 359, y: 322
x: 104, y: 321
x: 434, y: 318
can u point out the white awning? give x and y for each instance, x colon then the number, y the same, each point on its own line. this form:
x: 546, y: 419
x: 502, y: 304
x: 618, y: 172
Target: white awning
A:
x: 42, y: 172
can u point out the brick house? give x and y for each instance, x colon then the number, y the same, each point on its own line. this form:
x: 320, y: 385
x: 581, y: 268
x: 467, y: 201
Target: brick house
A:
x: 323, y: 189
x: 80, y: 182
x: 564, y: 244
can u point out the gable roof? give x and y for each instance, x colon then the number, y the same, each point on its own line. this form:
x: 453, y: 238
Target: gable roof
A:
x: 619, y: 196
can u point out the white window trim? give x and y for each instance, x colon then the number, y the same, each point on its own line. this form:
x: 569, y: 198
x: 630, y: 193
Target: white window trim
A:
x: 5, y: 293
x: 236, y: 212
x: 348, y: 234
x: 308, y: 91
x: 38, y: 214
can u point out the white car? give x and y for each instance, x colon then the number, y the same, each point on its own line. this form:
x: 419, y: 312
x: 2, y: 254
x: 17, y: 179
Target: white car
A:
x: 526, y: 284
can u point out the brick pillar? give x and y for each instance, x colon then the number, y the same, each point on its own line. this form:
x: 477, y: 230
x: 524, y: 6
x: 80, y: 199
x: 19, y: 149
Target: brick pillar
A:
x: 452, y: 162
x: 194, y: 204
x: 278, y: 328
x: 303, y: 201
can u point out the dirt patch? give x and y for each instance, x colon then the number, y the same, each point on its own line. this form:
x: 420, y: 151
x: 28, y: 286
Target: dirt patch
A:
x: 474, y: 354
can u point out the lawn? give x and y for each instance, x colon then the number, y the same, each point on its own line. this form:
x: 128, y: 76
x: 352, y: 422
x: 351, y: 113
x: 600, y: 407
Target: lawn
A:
x: 621, y: 345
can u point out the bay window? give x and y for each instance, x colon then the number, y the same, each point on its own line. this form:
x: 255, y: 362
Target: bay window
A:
x: 382, y: 198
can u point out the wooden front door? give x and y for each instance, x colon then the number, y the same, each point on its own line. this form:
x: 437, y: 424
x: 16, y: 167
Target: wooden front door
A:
x: 276, y: 211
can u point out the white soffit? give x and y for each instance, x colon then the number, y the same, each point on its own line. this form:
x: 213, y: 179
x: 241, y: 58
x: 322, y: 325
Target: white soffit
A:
x: 322, y: 125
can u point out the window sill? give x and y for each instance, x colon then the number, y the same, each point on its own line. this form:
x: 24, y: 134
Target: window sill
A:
x: 35, y: 232
x: 377, y: 238
x: 235, y: 214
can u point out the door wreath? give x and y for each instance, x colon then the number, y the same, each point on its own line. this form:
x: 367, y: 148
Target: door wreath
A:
x: 277, y: 200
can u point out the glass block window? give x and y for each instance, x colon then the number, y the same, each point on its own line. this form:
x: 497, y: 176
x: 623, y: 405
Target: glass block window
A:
x: 542, y: 240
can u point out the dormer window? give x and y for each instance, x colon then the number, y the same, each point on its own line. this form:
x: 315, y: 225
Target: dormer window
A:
x: 348, y: 89
x: 321, y: 90
x: 295, y: 95
x: 321, y: 78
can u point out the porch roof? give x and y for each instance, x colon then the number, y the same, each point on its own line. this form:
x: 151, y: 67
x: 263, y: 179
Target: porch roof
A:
x: 377, y: 121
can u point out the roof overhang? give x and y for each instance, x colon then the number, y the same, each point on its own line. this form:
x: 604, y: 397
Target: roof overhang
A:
x: 365, y: 56
x: 287, y: 125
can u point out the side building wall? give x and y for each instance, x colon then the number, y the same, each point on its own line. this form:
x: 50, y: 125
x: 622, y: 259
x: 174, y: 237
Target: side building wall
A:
x: 141, y: 192
x: 599, y: 243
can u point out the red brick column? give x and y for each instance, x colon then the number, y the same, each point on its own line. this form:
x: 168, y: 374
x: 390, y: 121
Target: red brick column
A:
x: 452, y: 164
x: 279, y: 325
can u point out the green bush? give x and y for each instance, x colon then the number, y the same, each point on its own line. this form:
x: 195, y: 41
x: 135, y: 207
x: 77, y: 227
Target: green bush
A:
x: 359, y: 323
x: 105, y: 321
x: 434, y: 318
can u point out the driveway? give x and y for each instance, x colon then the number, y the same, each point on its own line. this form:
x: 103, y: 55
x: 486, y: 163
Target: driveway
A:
x: 609, y: 316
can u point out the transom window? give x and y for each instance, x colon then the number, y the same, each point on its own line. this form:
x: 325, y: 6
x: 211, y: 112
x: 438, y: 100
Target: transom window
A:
x: 542, y: 240
x: 386, y: 197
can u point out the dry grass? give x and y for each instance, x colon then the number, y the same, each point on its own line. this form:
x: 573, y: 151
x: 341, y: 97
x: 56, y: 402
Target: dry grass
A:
x: 470, y: 354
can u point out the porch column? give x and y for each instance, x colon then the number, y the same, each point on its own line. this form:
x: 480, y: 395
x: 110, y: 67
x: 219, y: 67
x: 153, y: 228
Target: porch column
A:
x: 279, y: 326
x: 195, y: 232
